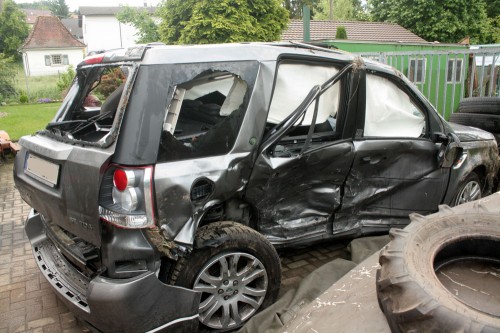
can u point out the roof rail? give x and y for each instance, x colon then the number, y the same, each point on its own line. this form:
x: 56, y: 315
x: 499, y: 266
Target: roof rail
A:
x: 310, y: 47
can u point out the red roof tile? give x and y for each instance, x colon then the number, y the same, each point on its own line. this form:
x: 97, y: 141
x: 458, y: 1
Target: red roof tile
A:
x: 49, y: 32
x: 356, y: 30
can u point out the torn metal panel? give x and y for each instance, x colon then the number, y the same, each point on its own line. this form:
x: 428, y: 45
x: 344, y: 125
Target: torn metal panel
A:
x: 298, y: 195
x: 175, y: 182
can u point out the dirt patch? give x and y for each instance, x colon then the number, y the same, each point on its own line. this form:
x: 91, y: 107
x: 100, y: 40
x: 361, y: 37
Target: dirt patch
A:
x: 3, y: 114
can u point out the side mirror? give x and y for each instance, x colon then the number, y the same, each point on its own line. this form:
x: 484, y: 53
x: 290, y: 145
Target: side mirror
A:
x: 449, y: 150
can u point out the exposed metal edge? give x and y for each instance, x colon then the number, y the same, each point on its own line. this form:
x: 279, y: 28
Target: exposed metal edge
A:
x: 57, y: 281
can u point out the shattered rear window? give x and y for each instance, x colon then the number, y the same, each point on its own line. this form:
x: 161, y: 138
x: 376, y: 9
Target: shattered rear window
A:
x: 87, y: 114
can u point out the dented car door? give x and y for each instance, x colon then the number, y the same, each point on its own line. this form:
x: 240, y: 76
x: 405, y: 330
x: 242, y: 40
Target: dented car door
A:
x: 396, y: 170
x: 297, y: 180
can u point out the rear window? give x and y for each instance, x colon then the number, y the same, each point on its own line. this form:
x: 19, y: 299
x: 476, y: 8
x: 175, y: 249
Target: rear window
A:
x: 88, y: 111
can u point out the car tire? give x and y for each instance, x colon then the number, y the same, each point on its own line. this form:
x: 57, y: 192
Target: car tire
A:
x: 419, y: 284
x: 470, y: 189
x: 483, y: 105
x: 487, y: 122
x: 230, y: 296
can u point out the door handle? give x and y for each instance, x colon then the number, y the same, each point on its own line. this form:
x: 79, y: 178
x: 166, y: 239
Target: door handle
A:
x: 372, y: 159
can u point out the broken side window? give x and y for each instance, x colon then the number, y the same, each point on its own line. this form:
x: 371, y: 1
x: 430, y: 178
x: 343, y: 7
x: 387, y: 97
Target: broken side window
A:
x: 204, y: 117
x: 293, y: 83
x: 390, y: 112
x: 88, y: 111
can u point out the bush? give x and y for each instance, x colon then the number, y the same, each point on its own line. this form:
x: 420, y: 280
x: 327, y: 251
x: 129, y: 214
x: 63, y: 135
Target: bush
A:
x: 341, y: 33
x: 7, y: 72
x: 111, y: 80
x: 23, y: 99
x: 65, y: 80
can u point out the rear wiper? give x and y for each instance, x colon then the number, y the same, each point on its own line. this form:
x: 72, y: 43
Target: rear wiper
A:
x: 64, y: 122
x: 90, y: 121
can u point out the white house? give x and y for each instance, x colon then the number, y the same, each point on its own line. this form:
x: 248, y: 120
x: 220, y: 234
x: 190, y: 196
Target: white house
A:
x: 50, y: 48
x: 102, y: 30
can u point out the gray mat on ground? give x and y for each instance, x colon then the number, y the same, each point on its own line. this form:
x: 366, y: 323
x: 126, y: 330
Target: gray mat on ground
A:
x: 287, y: 306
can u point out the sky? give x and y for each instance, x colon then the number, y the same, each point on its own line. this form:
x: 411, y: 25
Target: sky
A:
x: 74, y: 4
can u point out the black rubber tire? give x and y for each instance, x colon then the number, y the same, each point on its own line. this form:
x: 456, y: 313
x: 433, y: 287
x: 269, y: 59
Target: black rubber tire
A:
x: 482, y: 105
x: 487, y: 122
x: 471, y: 179
x: 227, y: 237
x: 408, y: 290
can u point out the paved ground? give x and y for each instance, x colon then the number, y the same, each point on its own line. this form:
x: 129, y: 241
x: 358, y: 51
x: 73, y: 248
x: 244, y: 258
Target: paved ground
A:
x: 28, y: 304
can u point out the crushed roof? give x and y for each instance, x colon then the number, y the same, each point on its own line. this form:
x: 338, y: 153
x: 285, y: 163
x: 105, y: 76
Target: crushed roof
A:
x: 356, y: 30
x: 49, y: 32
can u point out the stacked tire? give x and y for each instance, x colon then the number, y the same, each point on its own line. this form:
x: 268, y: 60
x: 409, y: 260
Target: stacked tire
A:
x: 479, y: 112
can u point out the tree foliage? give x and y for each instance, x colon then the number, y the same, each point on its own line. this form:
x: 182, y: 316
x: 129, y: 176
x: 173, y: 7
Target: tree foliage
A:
x: 436, y: 20
x: 221, y: 21
x: 13, y: 29
x: 59, y: 8
x: 343, y: 10
x: 294, y: 7
x: 7, y: 73
x: 142, y: 21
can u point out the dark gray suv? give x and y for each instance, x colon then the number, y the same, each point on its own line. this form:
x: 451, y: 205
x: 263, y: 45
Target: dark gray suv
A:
x: 170, y: 174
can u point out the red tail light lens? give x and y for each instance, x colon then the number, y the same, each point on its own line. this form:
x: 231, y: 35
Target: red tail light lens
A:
x: 120, y: 179
x: 95, y: 59
x: 126, y: 198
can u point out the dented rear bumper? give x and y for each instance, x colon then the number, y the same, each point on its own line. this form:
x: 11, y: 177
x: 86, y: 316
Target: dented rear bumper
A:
x: 139, y: 304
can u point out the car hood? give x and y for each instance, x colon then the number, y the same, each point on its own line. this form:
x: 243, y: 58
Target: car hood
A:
x: 467, y: 133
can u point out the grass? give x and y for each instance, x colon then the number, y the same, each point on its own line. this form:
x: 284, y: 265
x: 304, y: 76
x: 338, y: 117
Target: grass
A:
x: 35, y: 87
x: 24, y: 119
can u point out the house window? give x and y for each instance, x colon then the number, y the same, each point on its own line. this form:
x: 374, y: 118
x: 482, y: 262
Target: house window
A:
x: 454, y: 64
x: 416, y: 71
x: 56, y: 60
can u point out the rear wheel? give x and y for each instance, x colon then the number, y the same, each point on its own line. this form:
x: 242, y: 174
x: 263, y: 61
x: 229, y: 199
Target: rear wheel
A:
x: 237, y: 273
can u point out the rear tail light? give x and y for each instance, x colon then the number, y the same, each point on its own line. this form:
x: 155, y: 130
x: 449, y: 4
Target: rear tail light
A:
x: 93, y: 59
x: 126, y: 198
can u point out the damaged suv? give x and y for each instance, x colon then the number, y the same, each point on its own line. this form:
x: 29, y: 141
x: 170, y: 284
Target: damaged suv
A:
x: 170, y: 174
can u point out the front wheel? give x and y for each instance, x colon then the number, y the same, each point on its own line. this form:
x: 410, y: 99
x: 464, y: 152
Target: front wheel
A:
x: 237, y: 273
x: 469, y: 190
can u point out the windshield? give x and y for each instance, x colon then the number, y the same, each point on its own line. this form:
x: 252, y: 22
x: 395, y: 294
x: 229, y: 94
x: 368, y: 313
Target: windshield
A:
x: 88, y: 111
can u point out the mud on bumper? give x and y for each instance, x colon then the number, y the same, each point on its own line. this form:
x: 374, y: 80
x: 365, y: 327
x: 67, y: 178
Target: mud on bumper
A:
x: 139, y: 304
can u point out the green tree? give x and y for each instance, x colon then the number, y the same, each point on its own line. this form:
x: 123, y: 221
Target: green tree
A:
x: 343, y: 10
x: 42, y: 5
x: 294, y: 7
x: 142, y: 21
x: 59, y: 8
x: 436, y: 20
x: 13, y: 29
x: 7, y: 73
x: 221, y: 21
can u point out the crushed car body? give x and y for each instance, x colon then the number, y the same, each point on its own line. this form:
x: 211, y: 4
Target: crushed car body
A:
x: 170, y: 173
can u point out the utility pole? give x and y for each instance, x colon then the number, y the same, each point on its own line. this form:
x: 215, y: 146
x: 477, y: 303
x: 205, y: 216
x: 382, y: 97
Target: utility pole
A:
x: 331, y: 10
x: 306, y: 19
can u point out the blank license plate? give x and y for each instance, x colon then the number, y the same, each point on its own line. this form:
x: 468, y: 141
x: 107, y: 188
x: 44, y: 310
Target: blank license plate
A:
x: 42, y: 170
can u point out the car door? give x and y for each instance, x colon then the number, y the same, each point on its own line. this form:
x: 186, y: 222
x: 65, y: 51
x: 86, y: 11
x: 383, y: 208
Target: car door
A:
x: 303, y: 161
x: 396, y: 168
